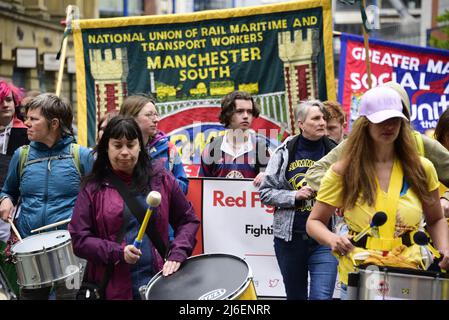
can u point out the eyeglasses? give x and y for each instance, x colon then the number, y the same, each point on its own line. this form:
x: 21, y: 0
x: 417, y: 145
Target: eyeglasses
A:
x: 151, y: 115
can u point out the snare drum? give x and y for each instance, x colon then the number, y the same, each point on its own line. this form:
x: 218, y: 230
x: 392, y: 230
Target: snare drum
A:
x: 44, y: 259
x: 205, y: 277
x: 387, y: 283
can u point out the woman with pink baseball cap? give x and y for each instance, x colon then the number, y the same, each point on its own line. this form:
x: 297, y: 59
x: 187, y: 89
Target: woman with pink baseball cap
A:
x: 380, y: 170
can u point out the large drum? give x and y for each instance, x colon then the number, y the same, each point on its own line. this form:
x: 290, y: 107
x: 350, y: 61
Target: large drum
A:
x: 386, y: 283
x: 44, y: 259
x: 205, y: 277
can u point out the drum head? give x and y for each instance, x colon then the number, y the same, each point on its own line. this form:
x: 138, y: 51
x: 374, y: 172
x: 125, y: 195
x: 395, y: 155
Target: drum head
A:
x: 41, y: 241
x: 203, y: 277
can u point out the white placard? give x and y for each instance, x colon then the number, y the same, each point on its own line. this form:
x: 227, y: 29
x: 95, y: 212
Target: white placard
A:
x: 236, y: 222
x: 26, y: 57
x: 50, y: 62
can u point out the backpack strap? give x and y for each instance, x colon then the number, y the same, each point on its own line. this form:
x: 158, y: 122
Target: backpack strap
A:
x: 75, y: 152
x: 74, y: 155
x: 23, y: 156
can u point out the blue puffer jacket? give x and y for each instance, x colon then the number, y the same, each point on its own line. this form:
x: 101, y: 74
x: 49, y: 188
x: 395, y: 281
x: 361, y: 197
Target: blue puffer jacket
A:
x: 48, y: 188
x: 161, y: 148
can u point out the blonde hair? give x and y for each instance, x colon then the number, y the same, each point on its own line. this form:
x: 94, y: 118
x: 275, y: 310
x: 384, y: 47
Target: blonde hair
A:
x: 357, y: 160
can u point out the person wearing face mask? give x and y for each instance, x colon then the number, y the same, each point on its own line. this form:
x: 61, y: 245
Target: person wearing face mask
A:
x: 283, y: 187
x: 101, y: 214
x: 380, y: 170
x: 143, y: 108
x: 45, y: 175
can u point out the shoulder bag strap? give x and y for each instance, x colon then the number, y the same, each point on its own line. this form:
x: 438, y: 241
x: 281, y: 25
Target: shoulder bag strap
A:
x: 139, y: 212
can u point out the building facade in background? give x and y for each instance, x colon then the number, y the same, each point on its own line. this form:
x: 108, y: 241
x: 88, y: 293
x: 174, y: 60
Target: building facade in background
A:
x: 31, y: 32
x: 30, y: 37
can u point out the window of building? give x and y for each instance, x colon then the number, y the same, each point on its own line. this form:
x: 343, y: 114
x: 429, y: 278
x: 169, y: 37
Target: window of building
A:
x: 383, y: 4
x: 19, y: 77
x: 114, y: 8
x: 47, y: 81
x: 200, y: 5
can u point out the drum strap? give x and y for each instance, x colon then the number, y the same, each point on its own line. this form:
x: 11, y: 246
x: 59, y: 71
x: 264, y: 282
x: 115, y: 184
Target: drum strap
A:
x: 388, y: 203
x: 139, y: 212
x: 406, y: 239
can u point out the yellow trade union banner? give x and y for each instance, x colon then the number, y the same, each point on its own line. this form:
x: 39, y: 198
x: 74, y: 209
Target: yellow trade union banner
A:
x: 279, y: 53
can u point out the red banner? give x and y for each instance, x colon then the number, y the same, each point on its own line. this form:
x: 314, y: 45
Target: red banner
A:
x: 423, y: 72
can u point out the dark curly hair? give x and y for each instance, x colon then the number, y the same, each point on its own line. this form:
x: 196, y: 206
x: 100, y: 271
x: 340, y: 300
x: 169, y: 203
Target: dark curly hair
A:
x: 228, y: 106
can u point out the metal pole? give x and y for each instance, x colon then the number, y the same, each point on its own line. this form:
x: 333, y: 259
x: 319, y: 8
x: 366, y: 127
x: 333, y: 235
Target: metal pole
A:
x: 125, y: 8
x: 367, y: 57
x: 63, y: 52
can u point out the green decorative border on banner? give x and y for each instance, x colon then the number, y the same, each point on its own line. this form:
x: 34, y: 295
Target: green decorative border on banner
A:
x: 281, y: 53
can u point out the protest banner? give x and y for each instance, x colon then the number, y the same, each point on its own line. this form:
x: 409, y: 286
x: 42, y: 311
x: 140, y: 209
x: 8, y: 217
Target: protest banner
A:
x: 423, y: 72
x: 234, y: 221
x: 279, y: 53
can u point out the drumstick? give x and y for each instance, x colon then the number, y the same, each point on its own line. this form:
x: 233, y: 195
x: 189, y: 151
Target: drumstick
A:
x: 52, y: 225
x: 15, y: 230
x: 153, y: 200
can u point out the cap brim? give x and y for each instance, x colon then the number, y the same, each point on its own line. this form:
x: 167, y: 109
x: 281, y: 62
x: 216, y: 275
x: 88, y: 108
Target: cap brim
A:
x: 383, y: 115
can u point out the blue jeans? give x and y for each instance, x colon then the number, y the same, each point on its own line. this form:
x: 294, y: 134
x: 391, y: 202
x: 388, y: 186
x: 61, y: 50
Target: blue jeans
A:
x: 300, y: 256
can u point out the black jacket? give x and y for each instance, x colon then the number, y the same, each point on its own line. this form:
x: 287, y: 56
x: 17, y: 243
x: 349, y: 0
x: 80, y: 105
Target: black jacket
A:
x: 17, y: 138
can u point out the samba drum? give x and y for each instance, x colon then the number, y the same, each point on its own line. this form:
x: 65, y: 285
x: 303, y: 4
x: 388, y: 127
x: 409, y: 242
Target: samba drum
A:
x: 44, y: 259
x: 205, y: 277
x: 387, y: 283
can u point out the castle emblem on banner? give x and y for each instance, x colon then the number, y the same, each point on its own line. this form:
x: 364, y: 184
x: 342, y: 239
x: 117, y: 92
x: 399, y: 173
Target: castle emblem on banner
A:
x: 299, y: 56
x: 109, y: 68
